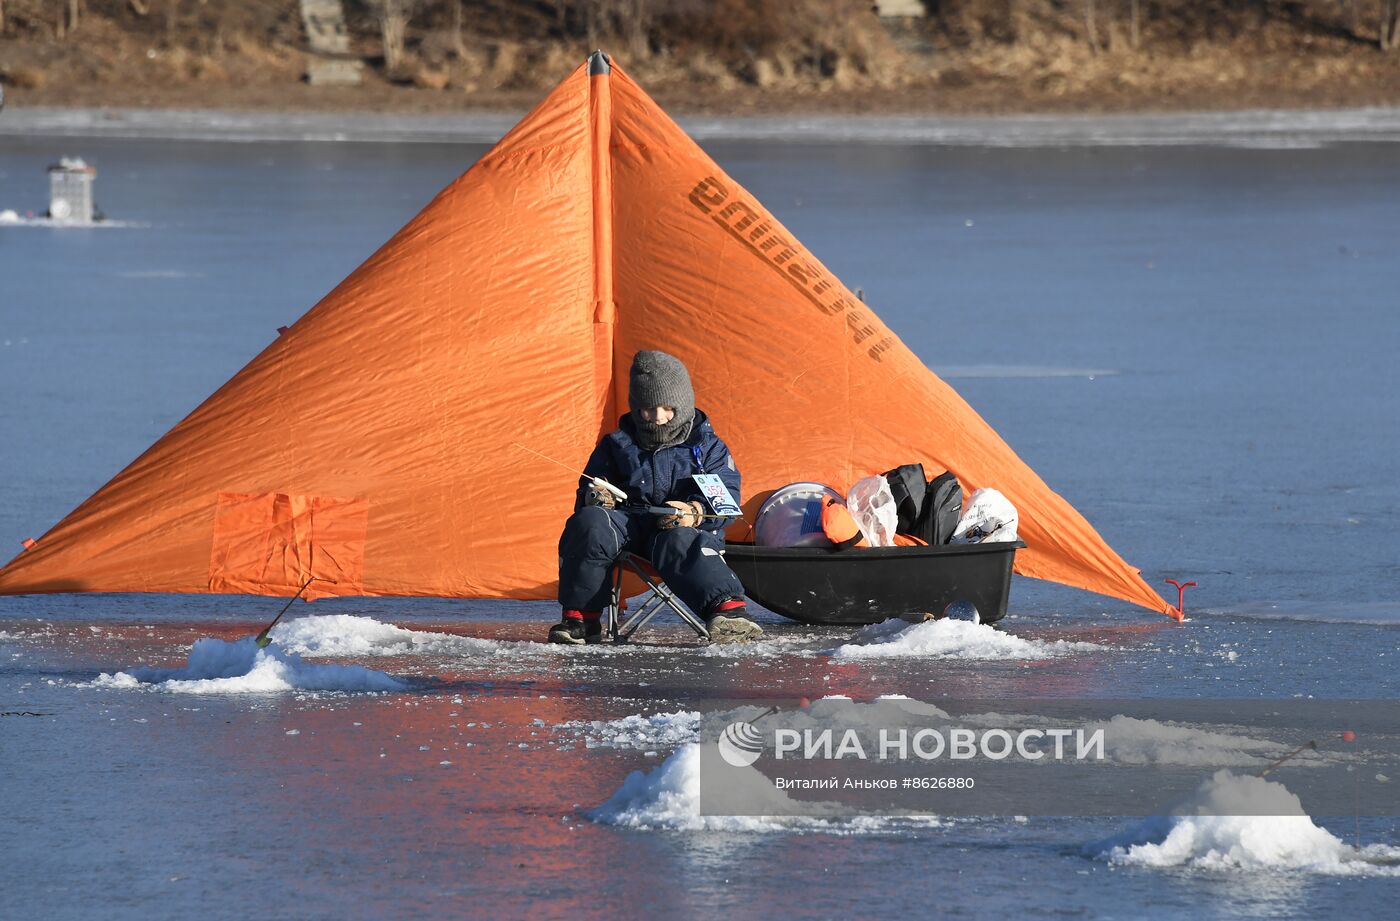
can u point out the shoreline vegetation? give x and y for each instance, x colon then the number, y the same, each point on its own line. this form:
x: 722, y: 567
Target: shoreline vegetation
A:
x: 712, y: 57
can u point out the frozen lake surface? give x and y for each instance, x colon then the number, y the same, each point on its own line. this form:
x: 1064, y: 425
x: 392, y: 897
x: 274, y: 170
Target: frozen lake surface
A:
x: 1194, y: 344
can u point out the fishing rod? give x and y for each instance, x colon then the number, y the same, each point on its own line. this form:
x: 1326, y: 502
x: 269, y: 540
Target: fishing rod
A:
x: 263, y: 639
x: 668, y: 510
x: 595, y: 480
x: 1347, y: 736
x: 1308, y: 745
x: 658, y: 510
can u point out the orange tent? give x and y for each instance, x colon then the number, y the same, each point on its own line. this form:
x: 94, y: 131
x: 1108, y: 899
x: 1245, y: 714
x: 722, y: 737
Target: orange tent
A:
x: 372, y: 445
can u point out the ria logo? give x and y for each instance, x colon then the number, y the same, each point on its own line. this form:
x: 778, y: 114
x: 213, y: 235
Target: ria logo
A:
x: 740, y: 744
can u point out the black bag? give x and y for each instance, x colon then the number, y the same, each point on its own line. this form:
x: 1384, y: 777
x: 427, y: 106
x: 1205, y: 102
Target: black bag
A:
x: 908, y: 487
x: 928, y: 511
x: 942, y: 508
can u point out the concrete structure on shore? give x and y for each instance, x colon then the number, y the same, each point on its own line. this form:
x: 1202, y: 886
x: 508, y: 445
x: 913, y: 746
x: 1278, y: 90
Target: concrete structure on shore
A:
x: 330, y: 62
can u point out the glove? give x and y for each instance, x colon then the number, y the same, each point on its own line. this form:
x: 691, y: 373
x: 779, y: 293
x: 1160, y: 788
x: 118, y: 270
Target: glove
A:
x: 688, y: 515
x: 599, y: 496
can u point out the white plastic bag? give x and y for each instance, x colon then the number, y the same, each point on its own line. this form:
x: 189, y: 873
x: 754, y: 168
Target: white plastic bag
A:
x: 872, y: 506
x: 988, y: 518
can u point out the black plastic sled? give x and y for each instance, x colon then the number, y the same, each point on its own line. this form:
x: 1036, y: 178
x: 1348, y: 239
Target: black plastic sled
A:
x: 819, y: 585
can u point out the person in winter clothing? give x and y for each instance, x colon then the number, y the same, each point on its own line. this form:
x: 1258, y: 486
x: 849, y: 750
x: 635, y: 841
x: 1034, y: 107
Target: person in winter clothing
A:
x: 651, y: 456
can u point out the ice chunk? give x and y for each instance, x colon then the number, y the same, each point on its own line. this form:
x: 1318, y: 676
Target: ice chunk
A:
x: 668, y: 797
x: 1147, y: 741
x: 657, y: 730
x: 240, y: 667
x: 950, y: 639
x: 1202, y: 835
x: 348, y: 635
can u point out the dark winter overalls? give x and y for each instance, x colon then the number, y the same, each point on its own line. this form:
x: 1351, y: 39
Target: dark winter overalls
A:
x: 688, y: 558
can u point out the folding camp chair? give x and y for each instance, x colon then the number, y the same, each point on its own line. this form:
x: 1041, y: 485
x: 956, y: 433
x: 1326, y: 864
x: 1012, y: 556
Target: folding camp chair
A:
x: 621, y: 625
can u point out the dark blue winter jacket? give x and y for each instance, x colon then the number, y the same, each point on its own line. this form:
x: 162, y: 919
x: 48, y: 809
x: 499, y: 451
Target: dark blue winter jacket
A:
x: 656, y: 477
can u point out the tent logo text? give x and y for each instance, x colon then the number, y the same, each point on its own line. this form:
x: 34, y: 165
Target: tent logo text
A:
x: 747, y: 225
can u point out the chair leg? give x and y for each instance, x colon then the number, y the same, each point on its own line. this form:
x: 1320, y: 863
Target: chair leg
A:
x: 620, y: 630
x: 638, y: 619
x: 680, y: 608
x: 614, y: 610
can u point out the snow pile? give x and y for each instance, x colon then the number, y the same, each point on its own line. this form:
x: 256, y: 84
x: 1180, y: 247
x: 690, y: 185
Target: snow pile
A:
x: 1133, y: 741
x: 839, y: 713
x: 348, y: 635
x: 1201, y: 835
x: 240, y: 667
x: 357, y: 636
x: 1138, y: 741
x: 949, y: 639
x: 642, y: 732
x: 668, y: 798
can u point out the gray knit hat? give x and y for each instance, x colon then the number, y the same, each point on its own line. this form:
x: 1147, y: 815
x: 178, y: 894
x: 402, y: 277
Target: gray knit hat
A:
x: 658, y: 379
